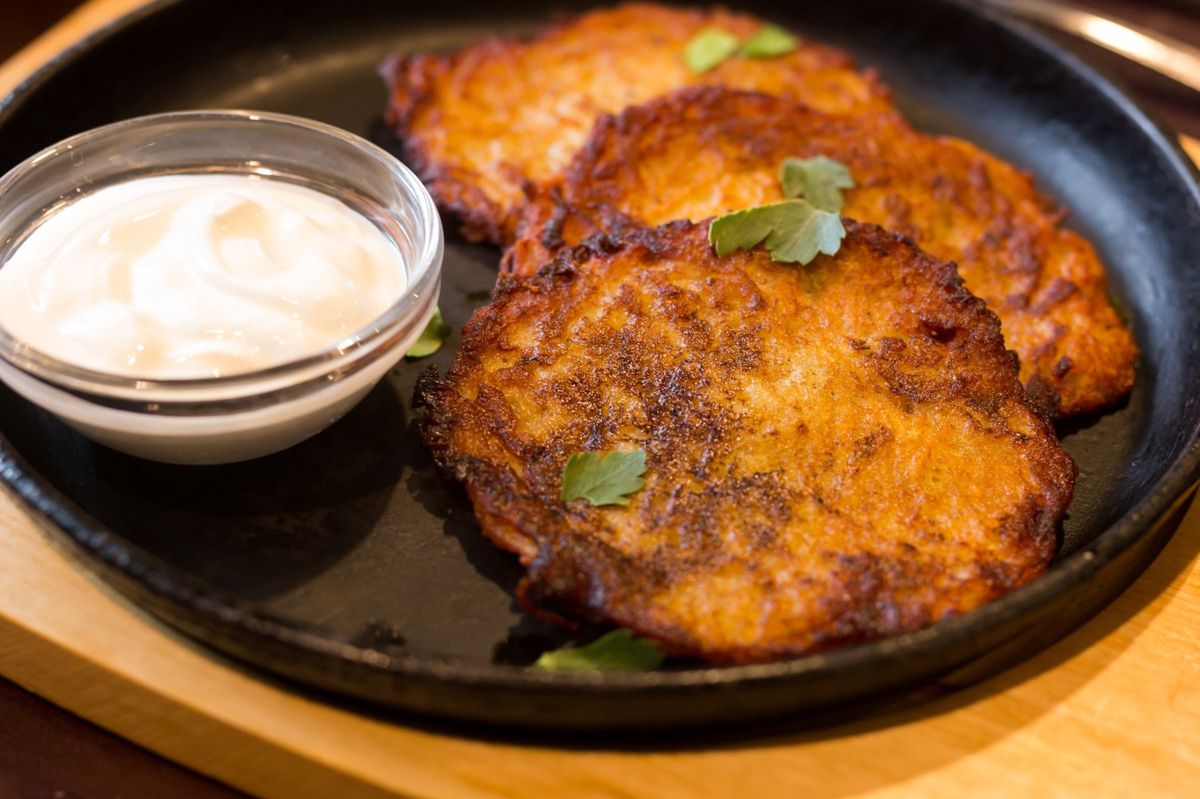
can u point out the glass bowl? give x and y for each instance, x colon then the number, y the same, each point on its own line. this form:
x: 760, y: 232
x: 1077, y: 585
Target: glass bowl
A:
x: 249, y: 414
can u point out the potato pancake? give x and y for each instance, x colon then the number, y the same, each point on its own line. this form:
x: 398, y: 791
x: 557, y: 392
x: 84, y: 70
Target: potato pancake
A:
x: 836, y: 452
x: 706, y: 151
x: 479, y: 125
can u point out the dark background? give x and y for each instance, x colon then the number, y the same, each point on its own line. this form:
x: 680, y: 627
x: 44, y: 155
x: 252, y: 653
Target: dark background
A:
x: 46, y: 753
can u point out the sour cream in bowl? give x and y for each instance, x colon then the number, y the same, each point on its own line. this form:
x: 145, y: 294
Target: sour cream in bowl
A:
x: 212, y: 286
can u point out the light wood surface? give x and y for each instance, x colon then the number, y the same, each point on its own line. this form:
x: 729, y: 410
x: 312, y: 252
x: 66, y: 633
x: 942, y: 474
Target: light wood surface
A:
x: 1113, y: 710
x: 1191, y: 147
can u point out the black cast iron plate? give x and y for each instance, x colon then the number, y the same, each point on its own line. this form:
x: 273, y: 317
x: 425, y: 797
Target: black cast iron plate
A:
x: 348, y: 565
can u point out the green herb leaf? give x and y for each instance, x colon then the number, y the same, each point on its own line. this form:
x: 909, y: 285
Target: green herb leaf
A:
x: 603, y: 480
x: 770, y: 41
x: 792, y: 231
x: 1122, y: 311
x: 818, y: 180
x: 615, y: 651
x: 432, y: 337
x: 708, y: 48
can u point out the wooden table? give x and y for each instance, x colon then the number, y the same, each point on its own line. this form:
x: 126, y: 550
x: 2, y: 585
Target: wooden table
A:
x: 1112, y: 710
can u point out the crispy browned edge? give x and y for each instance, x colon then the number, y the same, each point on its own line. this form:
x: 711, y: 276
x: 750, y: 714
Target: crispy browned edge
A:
x: 539, y: 229
x: 556, y: 586
x: 410, y: 80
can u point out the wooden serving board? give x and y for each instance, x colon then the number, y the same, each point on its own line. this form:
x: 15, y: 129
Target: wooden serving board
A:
x: 1113, y: 710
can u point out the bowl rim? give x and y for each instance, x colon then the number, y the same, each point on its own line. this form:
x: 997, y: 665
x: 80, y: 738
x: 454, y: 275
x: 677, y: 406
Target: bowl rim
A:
x: 411, y: 304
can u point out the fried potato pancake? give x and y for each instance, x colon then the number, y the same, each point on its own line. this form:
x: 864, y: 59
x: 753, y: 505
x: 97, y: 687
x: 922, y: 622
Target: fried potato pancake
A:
x: 479, y: 125
x: 707, y: 151
x: 836, y: 453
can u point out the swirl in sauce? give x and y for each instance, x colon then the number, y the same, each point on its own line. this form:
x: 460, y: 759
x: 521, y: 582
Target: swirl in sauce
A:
x: 187, y: 276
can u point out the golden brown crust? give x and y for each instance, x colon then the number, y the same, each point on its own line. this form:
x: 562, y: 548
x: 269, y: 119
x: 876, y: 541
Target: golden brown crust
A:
x: 478, y: 125
x: 705, y: 151
x: 836, y: 453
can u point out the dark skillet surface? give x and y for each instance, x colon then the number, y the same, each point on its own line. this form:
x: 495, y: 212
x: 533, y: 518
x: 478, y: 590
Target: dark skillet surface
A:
x: 347, y: 564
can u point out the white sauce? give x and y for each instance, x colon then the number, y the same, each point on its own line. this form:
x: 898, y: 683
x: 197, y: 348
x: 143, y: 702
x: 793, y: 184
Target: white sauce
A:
x: 184, y: 276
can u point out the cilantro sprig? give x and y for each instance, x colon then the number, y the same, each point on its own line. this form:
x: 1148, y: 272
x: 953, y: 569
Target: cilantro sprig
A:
x: 771, y: 41
x: 606, y: 479
x: 431, y: 339
x: 797, y: 229
x: 711, y: 47
x: 618, y: 650
x: 818, y: 180
x: 793, y: 231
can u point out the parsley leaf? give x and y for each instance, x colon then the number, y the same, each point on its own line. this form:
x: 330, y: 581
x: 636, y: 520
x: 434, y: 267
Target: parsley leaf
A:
x: 708, y: 48
x: 603, y: 480
x: 769, y: 42
x: 818, y: 180
x: 618, y: 650
x: 431, y: 338
x: 792, y: 231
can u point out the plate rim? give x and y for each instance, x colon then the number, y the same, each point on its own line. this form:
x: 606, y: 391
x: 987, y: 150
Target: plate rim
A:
x: 94, y: 549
